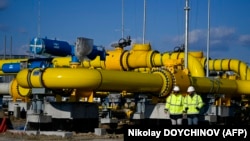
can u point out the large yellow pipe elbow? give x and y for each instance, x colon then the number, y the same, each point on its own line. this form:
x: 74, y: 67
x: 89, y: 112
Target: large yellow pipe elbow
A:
x: 18, y: 92
x: 194, y: 65
x: 229, y: 65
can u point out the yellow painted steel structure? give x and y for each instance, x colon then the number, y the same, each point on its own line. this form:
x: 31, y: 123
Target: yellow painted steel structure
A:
x: 139, y: 70
x: 118, y: 81
x: 142, y: 56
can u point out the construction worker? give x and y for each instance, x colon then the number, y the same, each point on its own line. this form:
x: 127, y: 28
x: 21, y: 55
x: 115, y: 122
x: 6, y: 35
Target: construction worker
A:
x: 174, y: 105
x: 192, y: 105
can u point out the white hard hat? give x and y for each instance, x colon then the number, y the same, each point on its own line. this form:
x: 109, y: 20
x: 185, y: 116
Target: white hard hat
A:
x: 190, y: 89
x: 176, y: 88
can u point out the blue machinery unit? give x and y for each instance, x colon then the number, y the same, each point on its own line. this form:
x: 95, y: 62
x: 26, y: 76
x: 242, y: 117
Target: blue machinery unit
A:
x: 47, y: 46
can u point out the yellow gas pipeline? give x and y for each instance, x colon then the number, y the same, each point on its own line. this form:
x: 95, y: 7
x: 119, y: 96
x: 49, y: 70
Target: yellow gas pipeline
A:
x: 157, y: 83
x: 237, y: 66
x: 140, y: 56
x: 111, y: 78
x: 98, y: 80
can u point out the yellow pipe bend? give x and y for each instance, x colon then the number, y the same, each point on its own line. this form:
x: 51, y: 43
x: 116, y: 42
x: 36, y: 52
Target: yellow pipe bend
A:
x: 235, y: 65
x: 18, y: 92
x: 194, y: 65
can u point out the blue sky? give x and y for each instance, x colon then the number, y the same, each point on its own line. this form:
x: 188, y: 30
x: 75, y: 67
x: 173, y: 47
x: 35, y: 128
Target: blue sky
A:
x: 101, y: 20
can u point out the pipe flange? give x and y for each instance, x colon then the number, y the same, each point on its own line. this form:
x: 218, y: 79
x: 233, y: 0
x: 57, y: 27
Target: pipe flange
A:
x: 167, y: 81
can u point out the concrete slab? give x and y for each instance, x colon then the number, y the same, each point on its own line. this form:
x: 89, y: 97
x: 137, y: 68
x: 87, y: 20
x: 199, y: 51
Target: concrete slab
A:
x: 100, y: 131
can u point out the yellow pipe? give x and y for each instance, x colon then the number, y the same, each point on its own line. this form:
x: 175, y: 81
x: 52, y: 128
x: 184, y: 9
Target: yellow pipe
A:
x: 221, y: 86
x: 118, y: 81
x: 195, y: 67
x: 243, y: 86
x: 229, y: 65
x: 90, y: 79
x: 196, y: 54
x: 114, y: 58
x: 214, y: 85
x: 96, y: 63
x: 61, y: 62
x: 18, y: 92
x: 140, y: 56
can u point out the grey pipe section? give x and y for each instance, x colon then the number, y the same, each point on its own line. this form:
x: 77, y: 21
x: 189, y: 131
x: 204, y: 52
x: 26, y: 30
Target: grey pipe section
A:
x: 4, y: 88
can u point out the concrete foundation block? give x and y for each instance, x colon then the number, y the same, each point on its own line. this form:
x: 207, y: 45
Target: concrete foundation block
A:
x: 100, y: 131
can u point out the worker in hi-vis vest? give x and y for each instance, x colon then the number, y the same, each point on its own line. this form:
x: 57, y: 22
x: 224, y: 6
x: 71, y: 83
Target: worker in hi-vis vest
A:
x: 192, y: 105
x: 174, y: 106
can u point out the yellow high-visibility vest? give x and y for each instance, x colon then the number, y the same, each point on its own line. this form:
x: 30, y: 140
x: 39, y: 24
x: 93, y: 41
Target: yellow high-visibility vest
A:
x: 192, y: 102
x: 174, y: 104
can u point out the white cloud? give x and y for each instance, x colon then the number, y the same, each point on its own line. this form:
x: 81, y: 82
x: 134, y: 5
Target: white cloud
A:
x: 244, y: 40
x: 196, y: 36
x: 221, y: 32
x: 219, y: 37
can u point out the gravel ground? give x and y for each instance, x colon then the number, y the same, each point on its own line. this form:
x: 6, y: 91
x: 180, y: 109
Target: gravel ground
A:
x: 16, y: 134
x: 22, y: 136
